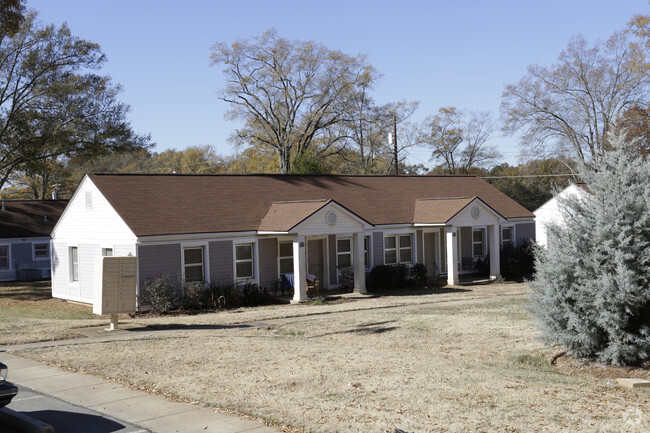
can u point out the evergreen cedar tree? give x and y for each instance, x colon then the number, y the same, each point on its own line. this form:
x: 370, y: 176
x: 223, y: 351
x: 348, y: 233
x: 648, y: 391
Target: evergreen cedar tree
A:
x: 591, y: 291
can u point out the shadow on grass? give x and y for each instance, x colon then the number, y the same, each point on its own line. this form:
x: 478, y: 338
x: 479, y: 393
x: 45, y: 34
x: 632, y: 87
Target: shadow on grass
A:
x: 26, y: 291
x: 418, y: 292
x: 196, y: 327
x: 364, y: 329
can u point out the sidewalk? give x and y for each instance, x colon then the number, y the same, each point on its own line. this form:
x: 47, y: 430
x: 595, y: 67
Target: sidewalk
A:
x: 151, y: 412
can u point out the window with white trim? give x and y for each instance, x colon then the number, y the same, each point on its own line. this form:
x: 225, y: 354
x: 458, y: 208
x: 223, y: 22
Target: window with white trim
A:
x: 4, y: 257
x: 398, y: 249
x: 405, y: 249
x: 107, y: 252
x: 41, y: 251
x: 74, y: 264
x: 193, y: 262
x: 244, y: 262
x: 285, y: 256
x: 344, y: 252
x: 478, y: 242
x: 366, y: 251
x: 506, y: 237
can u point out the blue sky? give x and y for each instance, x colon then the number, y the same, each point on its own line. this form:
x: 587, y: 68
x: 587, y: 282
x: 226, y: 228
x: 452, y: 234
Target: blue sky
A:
x: 440, y: 53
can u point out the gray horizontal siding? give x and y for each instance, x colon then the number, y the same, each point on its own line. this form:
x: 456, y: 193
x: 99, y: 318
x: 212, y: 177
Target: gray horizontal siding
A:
x: 160, y: 259
x: 377, y: 249
x: 268, y: 266
x: 525, y: 233
x: 466, y: 248
x: 419, y: 248
x: 22, y: 257
x: 221, y: 262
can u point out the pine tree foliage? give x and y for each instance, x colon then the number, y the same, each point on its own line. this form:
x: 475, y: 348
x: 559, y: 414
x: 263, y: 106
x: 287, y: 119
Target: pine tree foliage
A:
x: 591, y: 292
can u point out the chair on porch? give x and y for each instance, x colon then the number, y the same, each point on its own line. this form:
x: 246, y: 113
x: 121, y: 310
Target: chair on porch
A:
x: 312, y: 286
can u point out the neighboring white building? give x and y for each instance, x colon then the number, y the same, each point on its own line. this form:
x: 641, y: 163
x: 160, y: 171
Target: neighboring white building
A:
x: 549, y: 212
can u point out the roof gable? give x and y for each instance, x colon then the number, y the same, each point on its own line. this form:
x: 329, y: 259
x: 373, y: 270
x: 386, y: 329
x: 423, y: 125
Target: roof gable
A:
x: 438, y: 210
x: 283, y: 216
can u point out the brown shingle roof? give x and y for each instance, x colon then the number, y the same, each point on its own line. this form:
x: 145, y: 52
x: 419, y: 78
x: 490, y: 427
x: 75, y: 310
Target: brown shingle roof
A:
x: 438, y: 210
x: 161, y: 204
x: 285, y: 215
x: 26, y: 218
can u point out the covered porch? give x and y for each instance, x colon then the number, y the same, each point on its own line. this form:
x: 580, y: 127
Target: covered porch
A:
x: 458, y: 235
x: 320, y: 239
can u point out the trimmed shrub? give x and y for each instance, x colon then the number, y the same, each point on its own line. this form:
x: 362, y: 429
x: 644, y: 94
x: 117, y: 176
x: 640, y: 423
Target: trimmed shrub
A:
x: 419, y: 274
x: 400, y: 276
x: 195, y: 296
x: 159, y: 294
x: 224, y: 296
x: 517, y: 263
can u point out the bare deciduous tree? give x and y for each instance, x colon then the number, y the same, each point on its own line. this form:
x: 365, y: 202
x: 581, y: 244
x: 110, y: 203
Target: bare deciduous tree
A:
x: 288, y: 93
x: 574, y: 103
x: 459, y: 140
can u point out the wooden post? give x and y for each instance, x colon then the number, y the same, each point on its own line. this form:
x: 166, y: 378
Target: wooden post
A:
x: 114, y: 319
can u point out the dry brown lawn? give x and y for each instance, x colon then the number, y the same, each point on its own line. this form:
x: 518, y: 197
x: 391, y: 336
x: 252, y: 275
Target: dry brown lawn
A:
x: 472, y: 366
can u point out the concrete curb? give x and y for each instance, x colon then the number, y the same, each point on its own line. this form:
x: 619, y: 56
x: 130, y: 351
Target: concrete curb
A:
x: 23, y: 423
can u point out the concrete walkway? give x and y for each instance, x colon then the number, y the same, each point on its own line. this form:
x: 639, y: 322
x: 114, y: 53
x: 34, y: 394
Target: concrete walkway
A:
x: 151, y: 412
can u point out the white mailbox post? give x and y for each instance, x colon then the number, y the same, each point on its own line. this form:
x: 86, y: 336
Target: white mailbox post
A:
x: 115, y: 286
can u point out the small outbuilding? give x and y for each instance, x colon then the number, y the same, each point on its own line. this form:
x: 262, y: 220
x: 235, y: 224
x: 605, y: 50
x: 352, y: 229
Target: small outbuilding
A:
x: 258, y: 228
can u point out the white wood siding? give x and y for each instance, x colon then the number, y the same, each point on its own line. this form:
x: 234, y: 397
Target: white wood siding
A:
x: 87, y: 254
x: 549, y: 212
x: 123, y: 250
x: 60, y: 271
x: 89, y: 222
x: 317, y: 225
x: 464, y: 218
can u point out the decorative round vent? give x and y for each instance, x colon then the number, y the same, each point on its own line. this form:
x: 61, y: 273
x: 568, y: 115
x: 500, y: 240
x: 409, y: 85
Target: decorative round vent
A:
x: 476, y: 212
x: 330, y: 218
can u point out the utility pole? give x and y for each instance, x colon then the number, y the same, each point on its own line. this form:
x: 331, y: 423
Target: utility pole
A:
x: 395, y: 143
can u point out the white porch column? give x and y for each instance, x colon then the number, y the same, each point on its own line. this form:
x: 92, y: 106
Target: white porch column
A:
x: 299, y: 270
x: 359, y: 264
x: 452, y: 256
x: 495, y: 252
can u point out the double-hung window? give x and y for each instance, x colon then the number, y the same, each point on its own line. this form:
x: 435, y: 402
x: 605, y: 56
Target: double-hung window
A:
x: 344, y: 252
x: 193, y: 261
x: 244, y: 264
x: 506, y: 237
x: 74, y: 264
x: 398, y: 249
x: 4, y: 257
x: 478, y: 242
x: 366, y: 251
x: 41, y: 251
x: 286, y: 257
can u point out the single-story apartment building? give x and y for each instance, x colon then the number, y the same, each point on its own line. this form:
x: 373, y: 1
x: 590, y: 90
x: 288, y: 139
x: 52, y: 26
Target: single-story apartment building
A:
x: 25, y: 227
x: 256, y: 228
x: 549, y: 212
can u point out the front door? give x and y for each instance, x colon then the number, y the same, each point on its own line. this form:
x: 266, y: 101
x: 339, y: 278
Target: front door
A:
x: 315, y: 259
x: 430, y: 254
